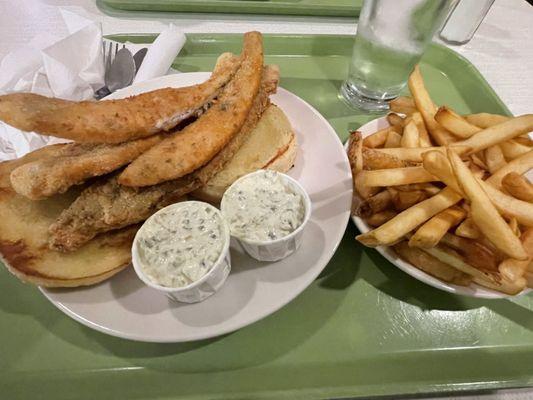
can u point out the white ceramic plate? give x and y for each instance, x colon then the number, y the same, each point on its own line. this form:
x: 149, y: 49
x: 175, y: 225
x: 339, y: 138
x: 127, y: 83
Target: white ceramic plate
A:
x: 124, y: 306
x: 473, y: 290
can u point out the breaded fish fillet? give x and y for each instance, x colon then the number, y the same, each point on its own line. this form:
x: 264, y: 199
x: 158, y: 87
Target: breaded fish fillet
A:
x: 189, y: 149
x: 115, y: 121
x: 107, y: 205
x: 6, y: 167
x: 76, y: 163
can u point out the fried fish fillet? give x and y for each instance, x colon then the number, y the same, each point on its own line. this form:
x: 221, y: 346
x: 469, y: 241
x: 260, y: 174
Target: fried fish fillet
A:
x: 76, y: 163
x: 115, y: 121
x: 199, y: 142
x: 46, y: 152
x: 107, y: 205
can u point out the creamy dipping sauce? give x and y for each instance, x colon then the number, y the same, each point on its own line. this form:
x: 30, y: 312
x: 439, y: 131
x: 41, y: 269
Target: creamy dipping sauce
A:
x: 263, y: 207
x: 180, y: 244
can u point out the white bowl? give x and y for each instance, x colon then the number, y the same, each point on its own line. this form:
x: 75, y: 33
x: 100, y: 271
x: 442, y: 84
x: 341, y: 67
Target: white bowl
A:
x: 204, y: 287
x: 278, y: 249
x: 473, y: 290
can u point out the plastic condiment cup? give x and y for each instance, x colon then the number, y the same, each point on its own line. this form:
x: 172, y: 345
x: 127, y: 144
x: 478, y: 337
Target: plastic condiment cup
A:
x: 278, y: 249
x: 205, y: 286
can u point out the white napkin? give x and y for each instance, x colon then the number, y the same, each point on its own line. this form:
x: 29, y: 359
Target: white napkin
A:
x: 71, y: 68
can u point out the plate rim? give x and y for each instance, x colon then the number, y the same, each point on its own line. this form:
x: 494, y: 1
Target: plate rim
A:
x: 473, y: 290
x: 259, y: 316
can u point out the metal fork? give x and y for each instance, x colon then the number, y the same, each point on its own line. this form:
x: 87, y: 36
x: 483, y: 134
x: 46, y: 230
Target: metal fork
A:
x: 109, y: 50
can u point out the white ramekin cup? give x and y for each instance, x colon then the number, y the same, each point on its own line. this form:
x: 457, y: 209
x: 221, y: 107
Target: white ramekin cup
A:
x: 203, y: 287
x: 278, y: 249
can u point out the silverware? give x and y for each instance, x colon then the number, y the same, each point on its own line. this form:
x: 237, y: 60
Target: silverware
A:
x: 138, y: 57
x: 120, y: 69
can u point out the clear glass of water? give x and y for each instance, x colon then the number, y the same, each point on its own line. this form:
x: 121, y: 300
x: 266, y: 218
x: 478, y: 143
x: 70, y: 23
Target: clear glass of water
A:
x: 391, y: 38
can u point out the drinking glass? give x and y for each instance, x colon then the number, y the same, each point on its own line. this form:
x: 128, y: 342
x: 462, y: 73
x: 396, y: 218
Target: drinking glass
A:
x: 391, y: 38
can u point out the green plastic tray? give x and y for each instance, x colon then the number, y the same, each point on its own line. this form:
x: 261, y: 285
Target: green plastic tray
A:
x: 362, y: 328
x: 336, y: 8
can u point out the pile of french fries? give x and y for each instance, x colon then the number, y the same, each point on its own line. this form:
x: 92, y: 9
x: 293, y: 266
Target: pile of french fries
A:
x: 448, y: 192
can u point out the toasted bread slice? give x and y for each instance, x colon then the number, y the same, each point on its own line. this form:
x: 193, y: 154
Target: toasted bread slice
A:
x: 272, y: 145
x: 24, y: 251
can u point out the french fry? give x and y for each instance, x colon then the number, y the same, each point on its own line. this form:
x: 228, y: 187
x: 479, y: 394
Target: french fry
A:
x: 378, y: 138
x: 375, y: 159
x: 454, y: 123
x: 473, y: 252
x: 527, y: 241
x: 393, y: 140
x: 403, y: 105
x: 486, y: 120
x: 355, y: 152
x: 483, y: 212
x: 497, y: 133
x: 396, y: 176
x: 508, y: 205
x: 436, y: 163
x: 430, y: 233
x: 427, y: 108
x: 503, y: 285
x: 494, y: 158
x: 380, y: 218
x: 518, y: 186
x: 364, y: 191
x: 476, y: 160
x: 413, y: 154
x: 427, y: 187
x: 525, y: 140
x: 393, y: 230
x: 511, y: 149
x: 513, y: 224
x: 519, y: 165
x: 425, y: 141
x: 468, y: 229
x: 375, y: 204
x: 410, y: 137
x: 403, y: 200
x: 431, y: 265
x: 395, y: 120
x: 513, y: 270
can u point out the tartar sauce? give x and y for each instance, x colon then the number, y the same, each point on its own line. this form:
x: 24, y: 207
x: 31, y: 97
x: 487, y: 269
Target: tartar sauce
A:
x: 263, y: 207
x: 180, y: 244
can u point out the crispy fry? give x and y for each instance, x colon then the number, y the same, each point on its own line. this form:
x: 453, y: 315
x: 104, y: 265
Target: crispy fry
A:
x: 477, y: 161
x: 427, y: 108
x: 414, y: 154
x: 378, y: 138
x: 404, y: 200
x: 394, y: 139
x: 425, y: 140
x: 524, y: 140
x: 512, y: 269
x: 473, y: 252
x: 518, y: 186
x: 483, y: 212
x: 406, y: 221
x: 454, y: 123
x: 519, y: 165
x: 380, y: 218
x: 494, y: 158
x: 403, y: 105
x: 355, y: 152
x: 395, y: 120
x: 364, y: 191
x: 508, y: 205
x: 468, y: 229
x: 511, y: 149
x: 498, y: 133
x: 430, y: 233
x: 527, y: 241
x: 375, y: 204
x: 437, y: 164
x: 430, y: 264
x: 486, y: 120
x: 374, y: 159
x: 396, y: 176
x: 513, y: 224
x: 411, y: 137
